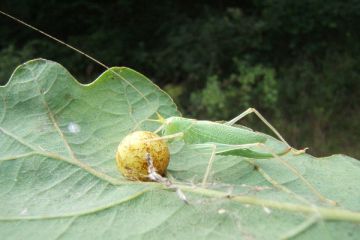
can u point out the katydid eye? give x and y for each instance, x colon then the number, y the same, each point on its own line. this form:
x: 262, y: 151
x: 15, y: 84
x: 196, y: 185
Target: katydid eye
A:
x: 132, y: 152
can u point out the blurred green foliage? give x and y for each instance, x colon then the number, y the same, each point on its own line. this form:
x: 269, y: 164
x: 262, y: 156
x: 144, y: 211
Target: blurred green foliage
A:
x: 244, y: 88
x: 295, y: 61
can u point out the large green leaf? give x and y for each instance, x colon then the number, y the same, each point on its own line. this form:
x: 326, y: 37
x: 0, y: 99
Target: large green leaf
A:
x: 58, y: 178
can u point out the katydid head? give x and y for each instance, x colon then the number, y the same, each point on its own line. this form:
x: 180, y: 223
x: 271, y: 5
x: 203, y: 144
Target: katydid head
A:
x: 173, y: 125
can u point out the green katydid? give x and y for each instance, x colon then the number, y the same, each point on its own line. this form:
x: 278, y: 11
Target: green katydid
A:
x: 224, y: 138
x: 197, y: 132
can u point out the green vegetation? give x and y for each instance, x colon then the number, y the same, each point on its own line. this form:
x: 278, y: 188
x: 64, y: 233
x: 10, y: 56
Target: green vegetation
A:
x: 295, y: 61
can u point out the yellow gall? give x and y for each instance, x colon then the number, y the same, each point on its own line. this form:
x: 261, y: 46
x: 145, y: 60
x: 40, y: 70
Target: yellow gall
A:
x: 132, y: 152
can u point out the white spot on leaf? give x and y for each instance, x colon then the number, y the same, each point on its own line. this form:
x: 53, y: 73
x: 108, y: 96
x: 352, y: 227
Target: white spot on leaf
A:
x: 73, y: 127
x: 221, y: 211
x: 24, y: 211
x: 267, y: 210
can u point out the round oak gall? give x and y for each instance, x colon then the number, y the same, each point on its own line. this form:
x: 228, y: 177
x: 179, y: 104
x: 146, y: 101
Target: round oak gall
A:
x: 131, y: 155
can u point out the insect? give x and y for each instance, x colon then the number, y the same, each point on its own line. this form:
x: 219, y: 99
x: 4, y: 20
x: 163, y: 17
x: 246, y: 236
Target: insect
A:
x: 224, y: 138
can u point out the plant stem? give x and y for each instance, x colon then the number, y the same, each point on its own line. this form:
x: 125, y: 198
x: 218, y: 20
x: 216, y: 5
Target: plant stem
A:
x: 323, y: 212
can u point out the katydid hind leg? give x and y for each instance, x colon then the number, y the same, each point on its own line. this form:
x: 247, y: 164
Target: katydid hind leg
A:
x: 262, y: 118
x: 275, y: 183
x: 276, y: 157
x: 289, y: 166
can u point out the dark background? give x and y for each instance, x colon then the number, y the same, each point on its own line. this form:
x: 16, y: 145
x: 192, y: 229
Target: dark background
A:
x: 297, y: 62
